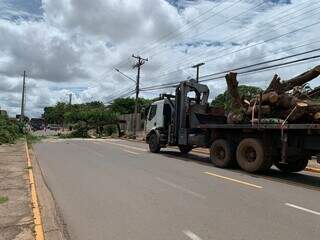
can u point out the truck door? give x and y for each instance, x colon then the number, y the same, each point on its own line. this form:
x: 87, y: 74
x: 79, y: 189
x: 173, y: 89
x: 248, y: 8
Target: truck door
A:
x: 155, y: 116
x: 151, y: 119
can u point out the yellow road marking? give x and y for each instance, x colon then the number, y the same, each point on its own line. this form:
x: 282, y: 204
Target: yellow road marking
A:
x: 233, y: 180
x: 131, y: 152
x: 127, y: 146
x: 38, y: 228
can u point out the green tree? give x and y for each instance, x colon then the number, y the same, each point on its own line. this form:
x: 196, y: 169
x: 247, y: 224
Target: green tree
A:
x: 126, y: 105
x: 246, y: 92
x: 86, y: 119
x: 9, y: 131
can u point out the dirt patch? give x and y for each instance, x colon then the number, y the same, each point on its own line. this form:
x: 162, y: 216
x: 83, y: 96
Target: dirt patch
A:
x: 16, y: 217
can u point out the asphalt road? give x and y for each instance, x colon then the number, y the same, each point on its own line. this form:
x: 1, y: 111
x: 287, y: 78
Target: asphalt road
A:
x: 116, y: 189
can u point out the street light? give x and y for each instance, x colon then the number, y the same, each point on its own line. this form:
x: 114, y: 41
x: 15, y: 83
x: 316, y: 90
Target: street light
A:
x: 125, y: 75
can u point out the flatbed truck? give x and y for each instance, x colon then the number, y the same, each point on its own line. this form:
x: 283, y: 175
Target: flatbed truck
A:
x: 188, y: 121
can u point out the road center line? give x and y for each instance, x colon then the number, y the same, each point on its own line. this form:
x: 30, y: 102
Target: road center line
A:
x: 303, y: 209
x: 127, y: 146
x: 234, y: 180
x: 198, y: 195
x: 130, y: 152
x: 191, y: 235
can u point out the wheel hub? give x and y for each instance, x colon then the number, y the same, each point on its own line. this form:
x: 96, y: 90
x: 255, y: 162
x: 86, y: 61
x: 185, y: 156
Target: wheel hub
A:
x: 220, y: 153
x: 250, y: 154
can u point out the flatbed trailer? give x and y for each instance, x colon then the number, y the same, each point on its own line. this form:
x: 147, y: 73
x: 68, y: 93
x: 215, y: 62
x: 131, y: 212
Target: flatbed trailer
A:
x: 189, y: 122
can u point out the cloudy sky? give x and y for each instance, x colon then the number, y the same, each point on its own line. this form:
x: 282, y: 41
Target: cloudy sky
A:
x: 72, y: 46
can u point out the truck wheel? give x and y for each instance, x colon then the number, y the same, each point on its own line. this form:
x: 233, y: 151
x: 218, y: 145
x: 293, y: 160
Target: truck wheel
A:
x: 154, y: 143
x: 293, y: 166
x: 252, y: 157
x: 185, y: 149
x: 222, y: 154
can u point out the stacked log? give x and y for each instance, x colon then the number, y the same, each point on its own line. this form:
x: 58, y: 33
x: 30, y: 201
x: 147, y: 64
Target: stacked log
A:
x: 282, y: 99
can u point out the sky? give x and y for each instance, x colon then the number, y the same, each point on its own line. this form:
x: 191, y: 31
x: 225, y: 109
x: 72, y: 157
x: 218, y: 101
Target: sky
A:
x: 73, y: 46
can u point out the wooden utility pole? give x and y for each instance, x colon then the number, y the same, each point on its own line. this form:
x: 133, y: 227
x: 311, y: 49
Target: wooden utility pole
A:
x: 140, y: 62
x: 197, y: 66
x: 23, y: 97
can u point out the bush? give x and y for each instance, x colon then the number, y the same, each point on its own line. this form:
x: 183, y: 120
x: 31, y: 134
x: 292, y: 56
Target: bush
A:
x: 9, y: 131
x: 109, y: 130
x: 80, y: 132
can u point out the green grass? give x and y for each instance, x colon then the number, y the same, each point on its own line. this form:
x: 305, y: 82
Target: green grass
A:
x: 33, y: 139
x: 3, y: 199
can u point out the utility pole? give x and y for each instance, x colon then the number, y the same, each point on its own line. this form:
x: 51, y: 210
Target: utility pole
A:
x: 197, y: 66
x: 70, y: 99
x: 140, y: 62
x: 23, y: 97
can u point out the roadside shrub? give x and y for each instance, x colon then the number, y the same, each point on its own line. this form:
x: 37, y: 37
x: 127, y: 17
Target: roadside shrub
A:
x: 80, y: 132
x: 109, y: 130
x: 9, y: 131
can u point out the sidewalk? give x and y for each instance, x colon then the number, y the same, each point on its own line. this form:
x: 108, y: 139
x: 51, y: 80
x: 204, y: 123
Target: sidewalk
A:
x: 16, y: 217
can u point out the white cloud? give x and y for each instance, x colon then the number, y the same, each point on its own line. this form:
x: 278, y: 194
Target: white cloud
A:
x: 76, y: 43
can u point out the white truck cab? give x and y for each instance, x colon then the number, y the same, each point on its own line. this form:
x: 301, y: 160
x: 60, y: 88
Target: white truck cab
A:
x: 159, y: 115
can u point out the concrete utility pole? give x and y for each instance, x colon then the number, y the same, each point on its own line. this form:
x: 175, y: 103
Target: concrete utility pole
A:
x: 197, y: 66
x: 23, y: 96
x: 70, y: 98
x: 140, y: 62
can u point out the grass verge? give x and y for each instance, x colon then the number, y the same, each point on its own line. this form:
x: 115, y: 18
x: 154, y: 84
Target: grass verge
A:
x: 3, y: 199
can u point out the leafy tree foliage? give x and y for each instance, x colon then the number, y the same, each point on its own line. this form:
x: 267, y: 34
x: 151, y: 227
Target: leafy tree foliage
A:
x: 126, y: 105
x: 92, y: 115
x: 246, y: 92
x: 9, y: 131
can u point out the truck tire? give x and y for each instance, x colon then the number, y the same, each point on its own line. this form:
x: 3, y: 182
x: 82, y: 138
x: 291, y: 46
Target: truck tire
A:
x: 252, y: 157
x: 293, y: 166
x: 185, y: 149
x: 222, y: 154
x: 154, y: 143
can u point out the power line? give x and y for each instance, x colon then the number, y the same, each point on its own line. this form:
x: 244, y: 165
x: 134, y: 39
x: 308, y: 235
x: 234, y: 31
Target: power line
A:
x: 259, y: 43
x: 180, y: 33
x: 189, y: 24
x: 261, y: 63
x: 305, y: 43
x: 240, y: 33
x: 168, y: 85
x: 252, y: 65
x: 220, y: 24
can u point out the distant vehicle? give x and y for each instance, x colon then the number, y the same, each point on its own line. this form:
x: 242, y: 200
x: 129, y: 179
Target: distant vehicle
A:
x: 54, y: 127
x: 37, y: 124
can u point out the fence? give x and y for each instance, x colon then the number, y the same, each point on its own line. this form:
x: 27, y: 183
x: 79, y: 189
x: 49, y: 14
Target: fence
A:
x: 129, y: 123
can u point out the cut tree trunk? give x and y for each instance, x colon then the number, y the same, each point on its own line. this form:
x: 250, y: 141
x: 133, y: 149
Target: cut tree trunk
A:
x: 287, y: 101
x: 236, y: 112
x: 270, y: 98
x: 265, y: 109
x: 284, y: 86
x: 275, y: 84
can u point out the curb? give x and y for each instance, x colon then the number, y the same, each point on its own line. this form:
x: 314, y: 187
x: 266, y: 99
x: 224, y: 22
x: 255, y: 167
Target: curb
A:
x: 38, y: 228
x: 311, y: 169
